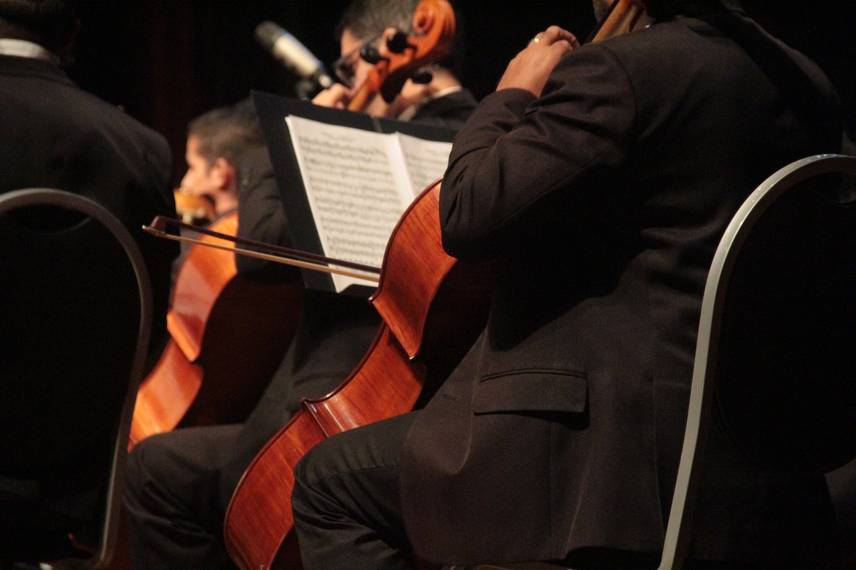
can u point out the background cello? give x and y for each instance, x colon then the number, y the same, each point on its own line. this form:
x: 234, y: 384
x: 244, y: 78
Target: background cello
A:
x: 193, y: 209
x: 227, y: 335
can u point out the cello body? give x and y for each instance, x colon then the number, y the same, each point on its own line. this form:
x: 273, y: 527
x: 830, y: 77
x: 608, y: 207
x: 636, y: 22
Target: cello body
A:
x: 227, y: 335
x: 433, y: 307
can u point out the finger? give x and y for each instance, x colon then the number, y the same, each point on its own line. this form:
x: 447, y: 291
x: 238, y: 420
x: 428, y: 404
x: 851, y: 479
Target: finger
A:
x: 331, y: 97
x: 337, y: 90
x: 554, y: 33
x: 561, y: 47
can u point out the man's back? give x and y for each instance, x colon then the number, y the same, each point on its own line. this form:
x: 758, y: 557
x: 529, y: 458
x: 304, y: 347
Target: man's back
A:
x: 606, y: 201
x: 56, y: 135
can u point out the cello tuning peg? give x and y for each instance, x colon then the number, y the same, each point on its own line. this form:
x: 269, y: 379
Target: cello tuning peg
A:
x: 422, y: 77
x: 397, y: 42
x: 370, y: 54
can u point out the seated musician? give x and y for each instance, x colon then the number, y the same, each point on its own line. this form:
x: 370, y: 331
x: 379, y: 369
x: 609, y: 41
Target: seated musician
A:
x: 602, y: 178
x: 215, y: 142
x: 178, y: 484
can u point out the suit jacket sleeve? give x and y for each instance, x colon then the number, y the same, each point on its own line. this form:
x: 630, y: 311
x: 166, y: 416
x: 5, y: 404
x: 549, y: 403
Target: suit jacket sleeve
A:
x: 261, y: 216
x: 516, y: 151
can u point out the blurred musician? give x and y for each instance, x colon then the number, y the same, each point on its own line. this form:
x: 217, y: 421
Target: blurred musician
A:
x: 215, y: 142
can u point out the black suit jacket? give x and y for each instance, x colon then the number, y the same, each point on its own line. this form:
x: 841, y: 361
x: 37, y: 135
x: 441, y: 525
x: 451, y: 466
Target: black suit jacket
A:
x: 604, y: 199
x: 56, y: 135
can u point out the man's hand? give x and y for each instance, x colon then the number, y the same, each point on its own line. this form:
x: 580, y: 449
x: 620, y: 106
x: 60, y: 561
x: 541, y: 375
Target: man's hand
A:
x: 336, y: 96
x: 531, y: 67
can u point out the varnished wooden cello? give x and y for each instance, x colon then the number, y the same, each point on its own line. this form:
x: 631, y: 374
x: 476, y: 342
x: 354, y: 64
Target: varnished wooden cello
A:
x: 193, y: 209
x: 227, y: 334
x: 427, y: 295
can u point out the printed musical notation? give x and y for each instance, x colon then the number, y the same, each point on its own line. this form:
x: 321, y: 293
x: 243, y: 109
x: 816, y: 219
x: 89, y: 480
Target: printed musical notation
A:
x: 359, y: 183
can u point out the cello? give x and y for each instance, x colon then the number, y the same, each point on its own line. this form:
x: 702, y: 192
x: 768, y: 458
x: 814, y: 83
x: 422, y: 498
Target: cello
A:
x: 227, y: 334
x: 421, y: 292
x: 193, y: 209
x: 422, y: 295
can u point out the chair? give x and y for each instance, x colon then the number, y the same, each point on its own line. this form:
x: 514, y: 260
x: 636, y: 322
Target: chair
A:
x: 789, y: 250
x: 76, y: 303
x: 775, y: 337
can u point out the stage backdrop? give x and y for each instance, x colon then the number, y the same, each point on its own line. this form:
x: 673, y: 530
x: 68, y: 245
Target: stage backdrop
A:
x: 166, y: 61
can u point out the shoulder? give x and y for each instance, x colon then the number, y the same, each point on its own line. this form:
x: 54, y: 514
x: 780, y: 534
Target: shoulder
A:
x: 130, y: 135
x: 451, y: 110
x: 152, y: 142
x: 254, y: 166
x: 661, y: 49
x: 43, y: 91
x: 41, y: 99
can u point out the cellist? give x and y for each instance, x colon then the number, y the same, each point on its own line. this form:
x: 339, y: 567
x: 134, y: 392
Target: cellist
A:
x: 215, y: 142
x: 179, y: 484
x: 212, y: 370
x: 601, y: 177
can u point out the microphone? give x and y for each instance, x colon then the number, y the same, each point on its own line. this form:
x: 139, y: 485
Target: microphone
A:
x: 288, y: 49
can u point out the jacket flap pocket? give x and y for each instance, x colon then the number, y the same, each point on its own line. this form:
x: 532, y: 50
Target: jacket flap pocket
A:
x: 534, y: 391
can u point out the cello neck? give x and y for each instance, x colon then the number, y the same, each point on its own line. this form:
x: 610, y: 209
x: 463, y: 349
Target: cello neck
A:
x: 430, y: 39
x: 623, y: 17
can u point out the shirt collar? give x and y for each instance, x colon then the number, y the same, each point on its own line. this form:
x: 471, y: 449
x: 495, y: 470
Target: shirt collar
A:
x: 411, y: 111
x: 24, y: 48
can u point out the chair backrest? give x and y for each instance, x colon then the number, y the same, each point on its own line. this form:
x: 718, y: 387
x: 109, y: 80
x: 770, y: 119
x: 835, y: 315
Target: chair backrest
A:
x: 76, y: 315
x: 774, y: 357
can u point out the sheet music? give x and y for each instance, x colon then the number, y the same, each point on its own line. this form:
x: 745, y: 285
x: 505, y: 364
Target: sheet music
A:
x: 358, y: 184
x: 426, y: 160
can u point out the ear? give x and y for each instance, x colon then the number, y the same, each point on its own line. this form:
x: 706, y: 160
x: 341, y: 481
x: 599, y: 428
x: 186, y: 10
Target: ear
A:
x: 224, y: 174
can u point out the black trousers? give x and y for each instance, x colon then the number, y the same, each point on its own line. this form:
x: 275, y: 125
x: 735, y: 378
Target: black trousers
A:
x: 347, y: 507
x: 346, y: 500
x: 173, y: 498
x: 178, y: 485
x: 347, y: 510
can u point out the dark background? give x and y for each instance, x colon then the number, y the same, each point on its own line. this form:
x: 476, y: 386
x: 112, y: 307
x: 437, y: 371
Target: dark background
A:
x: 167, y: 61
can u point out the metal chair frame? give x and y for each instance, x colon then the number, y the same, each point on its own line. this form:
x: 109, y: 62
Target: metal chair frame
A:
x: 679, y: 529
x: 61, y: 199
